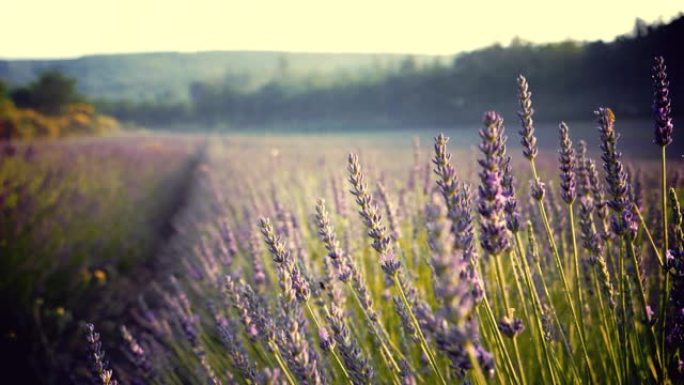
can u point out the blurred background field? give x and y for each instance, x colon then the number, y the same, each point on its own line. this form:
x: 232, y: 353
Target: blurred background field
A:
x: 79, y: 220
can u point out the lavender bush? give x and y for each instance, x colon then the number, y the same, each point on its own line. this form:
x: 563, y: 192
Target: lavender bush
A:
x: 508, y: 268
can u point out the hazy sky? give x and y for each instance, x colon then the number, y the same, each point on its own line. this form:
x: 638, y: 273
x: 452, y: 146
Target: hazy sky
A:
x: 68, y: 28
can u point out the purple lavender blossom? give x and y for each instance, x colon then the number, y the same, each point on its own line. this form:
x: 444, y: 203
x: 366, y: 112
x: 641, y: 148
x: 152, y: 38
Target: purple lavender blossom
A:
x: 382, y: 241
x: 661, y: 103
x: 392, y: 218
x: 537, y: 189
x: 233, y: 344
x: 326, y: 342
x: 136, y: 354
x: 511, y: 205
x: 511, y: 327
x: 675, y: 321
x: 360, y: 370
x: 598, y: 195
x: 493, y: 236
x: 567, y: 162
x: 616, y: 177
x: 447, y: 181
x: 100, y: 367
x: 528, y: 140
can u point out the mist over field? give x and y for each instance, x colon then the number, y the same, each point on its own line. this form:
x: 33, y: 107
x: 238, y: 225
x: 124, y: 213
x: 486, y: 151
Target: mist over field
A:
x: 302, y: 91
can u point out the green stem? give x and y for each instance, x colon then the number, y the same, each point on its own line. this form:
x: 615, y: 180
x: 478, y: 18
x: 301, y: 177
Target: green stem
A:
x: 536, y: 307
x: 556, y: 319
x: 332, y: 351
x: 499, y: 338
x: 664, y: 301
x: 648, y: 234
x: 392, y: 364
x: 416, y: 325
x: 477, y: 370
x: 642, y: 300
x: 606, y: 329
x: 566, y: 289
x: 281, y: 363
x: 578, y: 280
x: 623, y: 311
x: 506, y: 310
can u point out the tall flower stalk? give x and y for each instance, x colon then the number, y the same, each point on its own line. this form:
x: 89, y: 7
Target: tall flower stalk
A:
x: 663, y: 138
x: 494, y: 236
x: 383, y: 244
x: 530, y: 152
x: 568, y: 176
x: 624, y: 223
x: 348, y: 273
x: 100, y: 367
x: 294, y: 288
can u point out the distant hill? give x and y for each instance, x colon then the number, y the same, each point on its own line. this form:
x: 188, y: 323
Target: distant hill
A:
x: 240, y: 90
x: 166, y: 76
x: 569, y: 80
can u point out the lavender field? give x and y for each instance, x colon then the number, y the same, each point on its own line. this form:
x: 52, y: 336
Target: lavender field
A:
x: 508, y: 253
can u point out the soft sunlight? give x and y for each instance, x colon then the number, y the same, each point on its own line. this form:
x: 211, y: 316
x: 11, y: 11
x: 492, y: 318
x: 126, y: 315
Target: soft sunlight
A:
x: 81, y: 27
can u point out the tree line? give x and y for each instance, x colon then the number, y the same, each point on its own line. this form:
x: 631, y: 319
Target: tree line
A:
x: 569, y: 80
x: 49, y: 107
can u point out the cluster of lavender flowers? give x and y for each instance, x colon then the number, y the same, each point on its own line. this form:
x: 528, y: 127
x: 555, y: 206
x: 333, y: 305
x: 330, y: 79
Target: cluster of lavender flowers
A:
x: 439, y: 284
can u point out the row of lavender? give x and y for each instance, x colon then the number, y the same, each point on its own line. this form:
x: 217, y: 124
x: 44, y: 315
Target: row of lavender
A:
x: 77, y: 218
x: 422, y: 279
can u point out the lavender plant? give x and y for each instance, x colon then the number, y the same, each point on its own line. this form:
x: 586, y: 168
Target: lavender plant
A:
x: 427, y: 284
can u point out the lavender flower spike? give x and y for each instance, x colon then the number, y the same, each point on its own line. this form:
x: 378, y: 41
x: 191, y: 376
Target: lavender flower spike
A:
x: 616, y: 177
x: 661, y: 103
x: 382, y: 241
x: 100, y: 367
x: 493, y: 234
x: 567, y: 162
x: 528, y: 140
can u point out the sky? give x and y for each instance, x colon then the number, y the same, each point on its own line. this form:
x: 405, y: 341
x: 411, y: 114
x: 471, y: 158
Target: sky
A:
x: 72, y: 28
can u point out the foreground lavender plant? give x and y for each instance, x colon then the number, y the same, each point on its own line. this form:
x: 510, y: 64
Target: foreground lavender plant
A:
x: 383, y: 244
x: 349, y: 274
x: 100, y: 367
x: 661, y: 103
x: 458, y: 212
x: 663, y: 138
x: 294, y: 287
x: 537, y: 191
x: 567, y: 163
x: 568, y: 175
x: 493, y: 236
x: 528, y: 139
x: 616, y: 177
x: 444, y: 309
x: 137, y: 354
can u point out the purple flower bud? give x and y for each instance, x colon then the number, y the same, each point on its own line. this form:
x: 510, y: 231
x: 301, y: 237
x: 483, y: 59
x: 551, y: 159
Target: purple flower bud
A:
x: 567, y: 162
x: 537, y: 189
x: 382, y: 241
x: 661, y: 103
x: 326, y: 342
x: 493, y: 232
x: 528, y: 140
x: 511, y: 327
x: 649, y: 315
x: 616, y: 177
